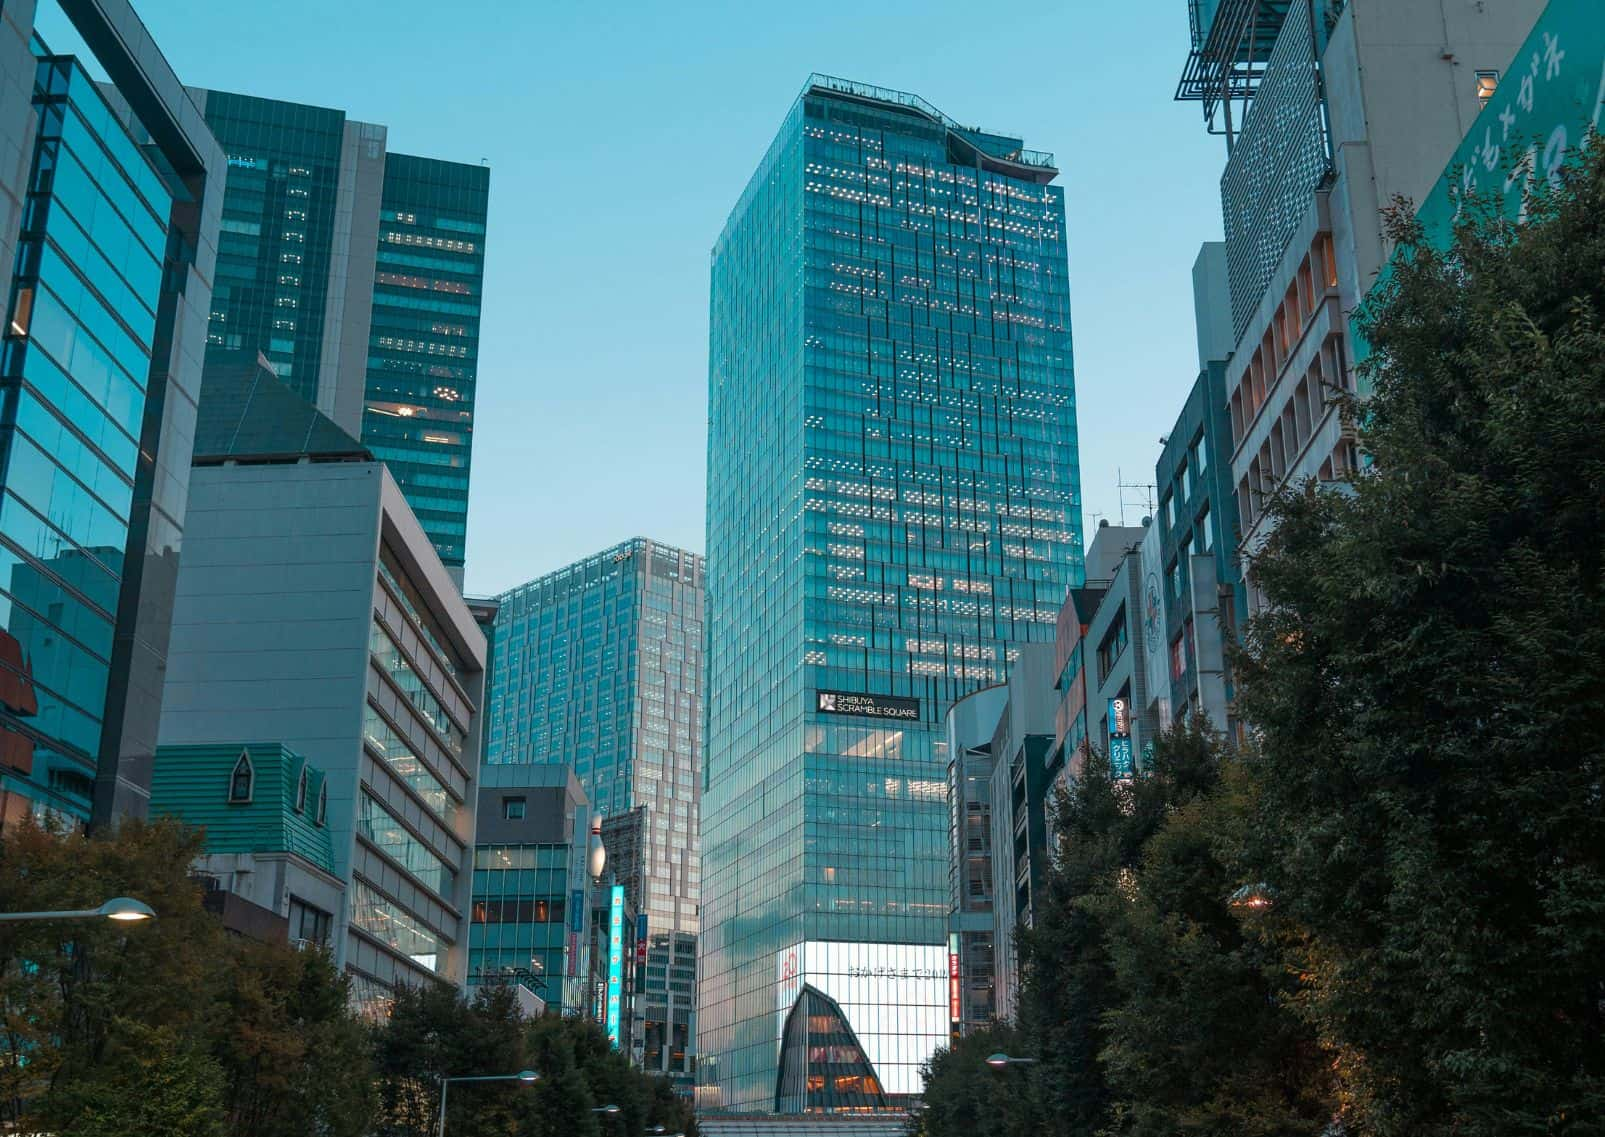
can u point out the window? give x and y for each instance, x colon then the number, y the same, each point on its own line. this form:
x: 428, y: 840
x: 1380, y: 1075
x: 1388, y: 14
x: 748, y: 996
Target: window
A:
x: 1174, y: 575
x: 1178, y: 659
x: 1184, y: 479
x: 301, y: 792
x: 307, y: 923
x: 1170, y: 512
x: 1206, y: 536
x: 512, y: 809
x: 1487, y: 84
x: 323, y: 804
x: 1200, y: 454
x: 1114, y: 643
x: 243, y: 780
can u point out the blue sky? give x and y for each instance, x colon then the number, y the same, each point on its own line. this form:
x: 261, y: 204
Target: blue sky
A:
x: 620, y: 134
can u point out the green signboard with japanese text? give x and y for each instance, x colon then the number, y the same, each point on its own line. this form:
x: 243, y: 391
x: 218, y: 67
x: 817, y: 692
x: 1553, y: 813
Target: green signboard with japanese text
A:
x: 1542, y: 109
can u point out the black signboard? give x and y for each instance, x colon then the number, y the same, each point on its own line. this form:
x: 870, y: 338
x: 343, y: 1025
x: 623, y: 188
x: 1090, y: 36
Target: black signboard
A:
x: 868, y: 706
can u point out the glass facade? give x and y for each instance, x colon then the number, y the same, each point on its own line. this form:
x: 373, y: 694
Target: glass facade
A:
x: 359, y: 274
x: 423, y: 348
x: 598, y: 666
x: 80, y: 334
x: 893, y: 505
x: 276, y: 241
x: 524, y: 920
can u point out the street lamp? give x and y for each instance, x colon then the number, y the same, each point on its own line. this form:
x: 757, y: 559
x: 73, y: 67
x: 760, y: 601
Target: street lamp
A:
x: 1252, y: 898
x: 123, y: 908
x: 1001, y: 1060
x: 525, y: 1076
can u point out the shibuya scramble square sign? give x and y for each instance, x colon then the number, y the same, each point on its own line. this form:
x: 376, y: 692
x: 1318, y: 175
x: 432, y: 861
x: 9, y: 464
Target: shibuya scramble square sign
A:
x: 869, y: 706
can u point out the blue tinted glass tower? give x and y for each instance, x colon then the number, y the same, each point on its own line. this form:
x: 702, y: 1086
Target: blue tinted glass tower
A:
x: 109, y: 202
x: 598, y: 667
x: 893, y: 506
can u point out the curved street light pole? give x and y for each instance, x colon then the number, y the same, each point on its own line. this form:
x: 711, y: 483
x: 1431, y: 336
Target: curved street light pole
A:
x: 1000, y: 1061
x: 525, y: 1076
x: 122, y: 908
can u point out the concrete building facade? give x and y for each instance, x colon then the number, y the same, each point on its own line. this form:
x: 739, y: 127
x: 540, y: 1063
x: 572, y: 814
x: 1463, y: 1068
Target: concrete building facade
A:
x: 1297, y: 89
x: 313, y: 610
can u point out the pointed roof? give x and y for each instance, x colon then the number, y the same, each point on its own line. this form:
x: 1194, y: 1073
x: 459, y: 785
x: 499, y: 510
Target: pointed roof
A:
x: 246, y: 412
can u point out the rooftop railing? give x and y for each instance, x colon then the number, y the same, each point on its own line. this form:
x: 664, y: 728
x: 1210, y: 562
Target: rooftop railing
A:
x: 1038, y: 158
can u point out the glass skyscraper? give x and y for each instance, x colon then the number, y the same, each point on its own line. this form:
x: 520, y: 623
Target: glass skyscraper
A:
x: 598, y: 666
x: 106, y: 232
x: 423, y: 345
x: 893, y: 504
x: 358, y: 273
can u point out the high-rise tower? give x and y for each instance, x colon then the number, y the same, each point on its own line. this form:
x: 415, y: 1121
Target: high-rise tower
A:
x: 598, y: 666
x: 109, y: 203
x: 357, y: 273
x: 893, y: 505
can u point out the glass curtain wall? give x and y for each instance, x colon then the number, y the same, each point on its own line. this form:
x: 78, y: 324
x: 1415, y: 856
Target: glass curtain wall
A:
x: 78, y: 340
x: 893, y: 505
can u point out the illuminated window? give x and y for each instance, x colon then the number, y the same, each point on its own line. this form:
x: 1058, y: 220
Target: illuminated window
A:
x: 1487, y: 84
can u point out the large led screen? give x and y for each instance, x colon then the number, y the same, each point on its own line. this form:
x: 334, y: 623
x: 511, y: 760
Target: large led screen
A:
x: 894, y: 997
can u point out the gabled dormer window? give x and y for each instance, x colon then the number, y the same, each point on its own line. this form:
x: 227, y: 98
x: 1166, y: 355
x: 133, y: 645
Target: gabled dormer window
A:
x: 242, y: 783
x: 301, y: 792
x: 323, y: 804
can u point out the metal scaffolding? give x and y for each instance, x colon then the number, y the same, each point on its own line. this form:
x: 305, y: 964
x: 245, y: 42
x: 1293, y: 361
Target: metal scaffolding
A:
x: 1232, y: 41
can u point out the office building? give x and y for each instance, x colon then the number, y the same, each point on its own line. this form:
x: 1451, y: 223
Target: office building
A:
x: 972, y: 942
x: 531, y: 889
x: 1202, y: 599
x: 599, y: 669
x: 1072, y: 722
x: 312, y: 611
x: 1024, y: 768
x: 1294, y: 86
x: 269, y: 859
x: 358, y: 274
x: 893, y: 507
x: 1117, y: 665
x: 108, y: 246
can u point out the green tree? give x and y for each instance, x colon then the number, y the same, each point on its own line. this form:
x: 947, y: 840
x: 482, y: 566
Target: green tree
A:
x: 295, y: 1058
x: 1428, y: 685
x: 95, y: 1009
x: 1201, y: 1038
x: 1066, y: 980
x: 432, y: 1032
x: 964, y: 1097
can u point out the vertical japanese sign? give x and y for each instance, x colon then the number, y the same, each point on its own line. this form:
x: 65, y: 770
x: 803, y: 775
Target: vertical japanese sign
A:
x: 954, y: 1002
x: 615, y: 961
x: 576, y: 928
x: 1121, y: 764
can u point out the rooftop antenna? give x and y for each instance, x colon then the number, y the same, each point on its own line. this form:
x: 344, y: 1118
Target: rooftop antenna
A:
x: 1141, y: 493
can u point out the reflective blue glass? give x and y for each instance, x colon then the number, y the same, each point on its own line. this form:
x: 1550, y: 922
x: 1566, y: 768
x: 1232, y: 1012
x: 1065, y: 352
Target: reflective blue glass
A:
x: 80, y: 322
x: 423, y: 347
x: 893, y: 504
